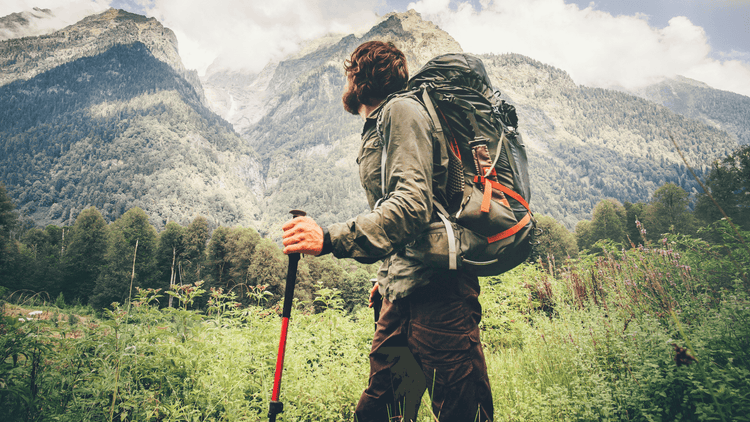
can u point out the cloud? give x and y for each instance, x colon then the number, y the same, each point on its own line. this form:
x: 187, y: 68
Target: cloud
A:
x: 241, y: 34
x: 64, y: 13
x: 594, y: 47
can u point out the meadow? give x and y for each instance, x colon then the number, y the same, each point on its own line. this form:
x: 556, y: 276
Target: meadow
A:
x: 649, y: 333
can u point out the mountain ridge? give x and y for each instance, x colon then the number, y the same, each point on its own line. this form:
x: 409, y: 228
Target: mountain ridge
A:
x: 283, y: 141
x: 115, y: 126
x: 24, y: 23
x: 90, y: 36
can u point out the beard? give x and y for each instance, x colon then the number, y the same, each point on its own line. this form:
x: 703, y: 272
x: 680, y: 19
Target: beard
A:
x: 351, y: 103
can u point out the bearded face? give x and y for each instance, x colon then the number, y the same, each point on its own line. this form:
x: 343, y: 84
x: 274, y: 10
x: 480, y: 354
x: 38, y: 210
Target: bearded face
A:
x: 349, y: 98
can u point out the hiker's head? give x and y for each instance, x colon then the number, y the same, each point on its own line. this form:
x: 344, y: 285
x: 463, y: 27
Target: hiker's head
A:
x: 375, y: 70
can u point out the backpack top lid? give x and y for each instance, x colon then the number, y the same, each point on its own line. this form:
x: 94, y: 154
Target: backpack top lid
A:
x: 454, y: 68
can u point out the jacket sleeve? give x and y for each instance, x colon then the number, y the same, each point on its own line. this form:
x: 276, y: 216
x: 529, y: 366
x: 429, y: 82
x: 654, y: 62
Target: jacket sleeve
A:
x: 407, y: 209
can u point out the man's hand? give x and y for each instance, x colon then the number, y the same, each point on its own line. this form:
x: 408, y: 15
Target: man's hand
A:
x: 302, y: 235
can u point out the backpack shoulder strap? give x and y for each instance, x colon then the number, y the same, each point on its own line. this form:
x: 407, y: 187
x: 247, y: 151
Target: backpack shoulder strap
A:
x: 441, y: 211
x: 378, y: 127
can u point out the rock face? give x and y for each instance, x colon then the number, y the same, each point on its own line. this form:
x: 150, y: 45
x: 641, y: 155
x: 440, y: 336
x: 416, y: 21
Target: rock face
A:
x: 104, y: 113
x: 244, y: 98
x: 27, y: 57
x: 584, y: 144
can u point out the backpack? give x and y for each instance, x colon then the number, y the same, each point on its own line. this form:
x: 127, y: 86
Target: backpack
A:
x: 486, y: 227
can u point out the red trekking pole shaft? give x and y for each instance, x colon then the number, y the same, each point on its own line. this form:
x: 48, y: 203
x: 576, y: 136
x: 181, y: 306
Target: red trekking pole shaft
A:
x: 275, y: 406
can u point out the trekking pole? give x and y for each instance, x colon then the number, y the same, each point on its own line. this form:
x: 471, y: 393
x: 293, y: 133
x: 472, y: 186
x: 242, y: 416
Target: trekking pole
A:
x: 275, y: 406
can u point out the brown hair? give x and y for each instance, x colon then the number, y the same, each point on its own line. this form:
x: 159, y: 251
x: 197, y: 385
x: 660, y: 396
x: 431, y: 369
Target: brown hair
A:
x: 378, y: 69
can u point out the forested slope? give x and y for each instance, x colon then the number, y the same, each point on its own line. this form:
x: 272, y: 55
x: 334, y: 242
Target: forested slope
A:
x: 118, y: 130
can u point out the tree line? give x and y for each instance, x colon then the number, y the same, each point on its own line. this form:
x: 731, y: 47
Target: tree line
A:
x: 671, y: 210
x: 95, y: 263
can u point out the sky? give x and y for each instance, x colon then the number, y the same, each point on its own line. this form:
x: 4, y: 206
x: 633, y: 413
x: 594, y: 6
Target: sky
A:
x: 604, y: 43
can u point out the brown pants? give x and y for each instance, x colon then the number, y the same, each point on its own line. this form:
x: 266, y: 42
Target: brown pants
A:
x: 429, y: 340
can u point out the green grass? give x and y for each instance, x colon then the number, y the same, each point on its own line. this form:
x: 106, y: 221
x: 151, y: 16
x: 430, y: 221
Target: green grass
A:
x: 588, y: 341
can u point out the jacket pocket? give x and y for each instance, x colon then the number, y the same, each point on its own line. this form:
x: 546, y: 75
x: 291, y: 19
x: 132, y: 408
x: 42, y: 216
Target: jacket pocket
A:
x: 369, y: 160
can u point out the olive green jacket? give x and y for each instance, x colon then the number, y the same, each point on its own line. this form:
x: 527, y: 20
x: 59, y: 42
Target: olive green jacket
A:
x: 415, y: 173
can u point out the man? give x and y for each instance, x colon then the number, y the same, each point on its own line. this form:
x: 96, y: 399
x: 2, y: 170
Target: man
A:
x: 427, y: 335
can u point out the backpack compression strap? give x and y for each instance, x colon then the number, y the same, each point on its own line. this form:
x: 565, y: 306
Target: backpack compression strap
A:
x: 488, y: 186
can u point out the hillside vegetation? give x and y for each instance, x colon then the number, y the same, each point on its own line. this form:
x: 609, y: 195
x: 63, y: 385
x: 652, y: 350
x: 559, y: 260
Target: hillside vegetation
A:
x: 644, y: 334
x: 118, y: 130
x: 641, y: 314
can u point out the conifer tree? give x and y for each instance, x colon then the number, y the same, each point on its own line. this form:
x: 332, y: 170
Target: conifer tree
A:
x: 169, y: 255
x: 217, y: 261
x: 197, y: 236
x: 9, y: 253
x: 41, y: 262
x: 113, y: 284
x: 8, y: 218
x: 729, y: 184
x: 84, y: 257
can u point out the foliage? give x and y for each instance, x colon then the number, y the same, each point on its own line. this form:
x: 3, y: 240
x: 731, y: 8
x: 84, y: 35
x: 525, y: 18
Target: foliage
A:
x: 85, y: 254
x: 130, y: 255
x: 729, y: 184
x: 641, y: 334
x: 8, y: 218
x: 638, y: 335
x: 177, y: 364
x: 669, y: 212
x: 118, y: 130
x: 556, y: 241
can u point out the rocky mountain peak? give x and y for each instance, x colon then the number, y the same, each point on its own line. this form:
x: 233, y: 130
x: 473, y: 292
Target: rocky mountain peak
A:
x: 421, y: 40
x: 24, y: 58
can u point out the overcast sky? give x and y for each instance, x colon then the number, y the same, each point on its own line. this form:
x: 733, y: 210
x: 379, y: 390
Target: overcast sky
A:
x: 603, y: 43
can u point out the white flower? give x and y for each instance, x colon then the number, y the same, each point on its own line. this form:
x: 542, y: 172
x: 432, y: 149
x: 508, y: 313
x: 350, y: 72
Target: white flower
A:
x: 35, y: 313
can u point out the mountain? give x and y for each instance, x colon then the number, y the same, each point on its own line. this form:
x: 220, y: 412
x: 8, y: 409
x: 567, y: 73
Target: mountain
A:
x: 103, y: 113
x: 724, y: 110
x: 584, y: 143
x: 292, y: 117
x: 24, y: 24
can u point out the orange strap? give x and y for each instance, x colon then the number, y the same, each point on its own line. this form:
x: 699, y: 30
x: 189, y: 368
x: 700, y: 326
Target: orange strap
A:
x: 488, y: 186
x: 511, y: 231
x: 487, y: 196
x: 502, y: 188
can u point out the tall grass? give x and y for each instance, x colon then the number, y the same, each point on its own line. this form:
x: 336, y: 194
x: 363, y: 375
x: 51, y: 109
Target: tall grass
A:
x: 632, y: 335
x: 647, y: 334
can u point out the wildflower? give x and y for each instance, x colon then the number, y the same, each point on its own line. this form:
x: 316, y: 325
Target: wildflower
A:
x: 35, y: 313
